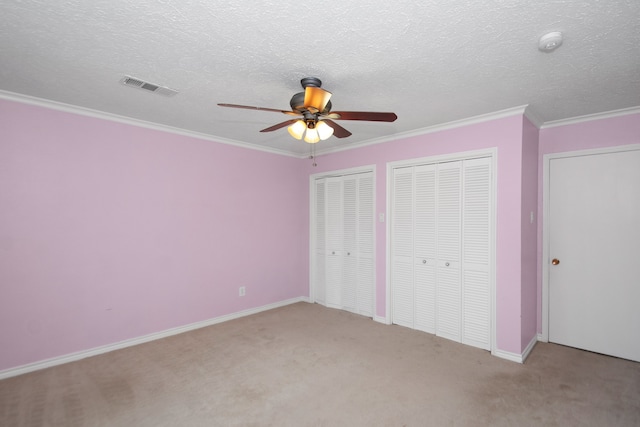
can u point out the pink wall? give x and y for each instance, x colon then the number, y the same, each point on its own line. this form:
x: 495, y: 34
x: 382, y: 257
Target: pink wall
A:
x: 110, y: 231
x: 506, y: 135
x: 528, y: 256
x: 609, y: 132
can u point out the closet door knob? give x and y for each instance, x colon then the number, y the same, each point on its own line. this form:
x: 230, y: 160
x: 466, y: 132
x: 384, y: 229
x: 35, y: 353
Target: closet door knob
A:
x: 446, y: 264
x: 424, y: 261
x: 333, y: 253
x: 348, y: 253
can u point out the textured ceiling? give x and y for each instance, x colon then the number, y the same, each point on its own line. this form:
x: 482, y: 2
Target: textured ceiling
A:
x: 430, y: 62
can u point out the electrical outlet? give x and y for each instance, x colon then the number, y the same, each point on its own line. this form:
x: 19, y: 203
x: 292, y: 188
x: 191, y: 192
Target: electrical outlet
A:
x: 241, y: 291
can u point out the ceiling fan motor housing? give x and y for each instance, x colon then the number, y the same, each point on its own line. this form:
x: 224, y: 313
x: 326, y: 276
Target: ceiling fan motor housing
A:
x: 297, y: 101
x: 297, y: 104
x: 311, y: 82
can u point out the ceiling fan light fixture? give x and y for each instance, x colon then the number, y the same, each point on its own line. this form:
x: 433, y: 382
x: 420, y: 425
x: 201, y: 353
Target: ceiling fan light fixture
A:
x: 297, y: 129
x: 324, y: 130
x: 311, y: 136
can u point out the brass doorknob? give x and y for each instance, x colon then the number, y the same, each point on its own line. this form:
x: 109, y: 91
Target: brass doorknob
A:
x: 555, y: 261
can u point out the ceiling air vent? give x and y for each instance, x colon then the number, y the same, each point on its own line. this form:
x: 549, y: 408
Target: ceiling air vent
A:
x: 141, y: 84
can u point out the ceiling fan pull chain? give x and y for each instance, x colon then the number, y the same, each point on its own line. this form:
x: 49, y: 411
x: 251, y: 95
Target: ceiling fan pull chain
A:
x: 312, y: 154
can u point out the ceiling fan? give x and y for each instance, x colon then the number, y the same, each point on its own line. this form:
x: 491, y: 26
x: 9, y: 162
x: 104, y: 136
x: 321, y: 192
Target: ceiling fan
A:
x: 317, y: 120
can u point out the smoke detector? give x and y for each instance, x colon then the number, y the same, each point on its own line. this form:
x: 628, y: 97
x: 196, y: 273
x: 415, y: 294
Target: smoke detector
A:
x: 550, y: 41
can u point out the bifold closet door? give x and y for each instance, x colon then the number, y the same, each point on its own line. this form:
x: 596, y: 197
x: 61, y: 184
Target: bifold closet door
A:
x: 441, y: 249
x: 334, y: 242
x: 320, y: 252
x: 365, y: 285
x: 349, y: 234
x: 344, y: 261
x: 476, y: 246
x: 402, y: 263
x: 424, y: 248
x: 357, y: 254
x: 448, y: 206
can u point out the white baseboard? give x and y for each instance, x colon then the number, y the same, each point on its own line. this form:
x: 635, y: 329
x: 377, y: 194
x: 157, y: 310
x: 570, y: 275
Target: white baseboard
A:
x: 381, y: 319
x: 529, y: 348
x: 12, y: 372
x: 515, y: 357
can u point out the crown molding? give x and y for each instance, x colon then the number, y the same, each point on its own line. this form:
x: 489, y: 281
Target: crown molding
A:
x: 88, y: 112
x: 591, y: 117
x: 520, y: 110
x: 525, y: 110
x: 533, y: 117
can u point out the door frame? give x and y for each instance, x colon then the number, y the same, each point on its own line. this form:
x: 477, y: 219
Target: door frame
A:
x: 546, y: 194
x: 466, y: 155
x: 312, y: 223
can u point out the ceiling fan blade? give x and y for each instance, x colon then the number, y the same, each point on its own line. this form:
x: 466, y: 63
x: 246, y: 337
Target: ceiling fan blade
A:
x: 249, y: 107
x: 363, y: 115
x: 338, y: 131
x: 279, y: 125
x: 315, y: 99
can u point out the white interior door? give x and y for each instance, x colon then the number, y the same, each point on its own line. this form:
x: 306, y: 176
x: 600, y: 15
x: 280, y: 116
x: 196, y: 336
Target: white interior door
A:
x: 594, y: 234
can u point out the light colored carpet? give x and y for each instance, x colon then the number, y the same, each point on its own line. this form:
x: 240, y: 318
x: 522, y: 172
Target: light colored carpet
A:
x: 306, y: 365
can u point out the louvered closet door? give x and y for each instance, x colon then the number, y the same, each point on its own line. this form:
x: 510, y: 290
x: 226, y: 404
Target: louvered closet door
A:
x: 476, y: 244
x: 402, y: 229
x: 320, y: 253
x: 334, y: 242
x: 448, y: 207
x: 349, y: 280
x: 441, y: 249
x: 425, y: 248
x: 343, y: 270
x: 365, y: 224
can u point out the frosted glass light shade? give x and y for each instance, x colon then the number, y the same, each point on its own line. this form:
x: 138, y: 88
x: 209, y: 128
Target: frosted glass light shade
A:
x: 297, y: 129
x: 311, y: 136
x: 324, y: 130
